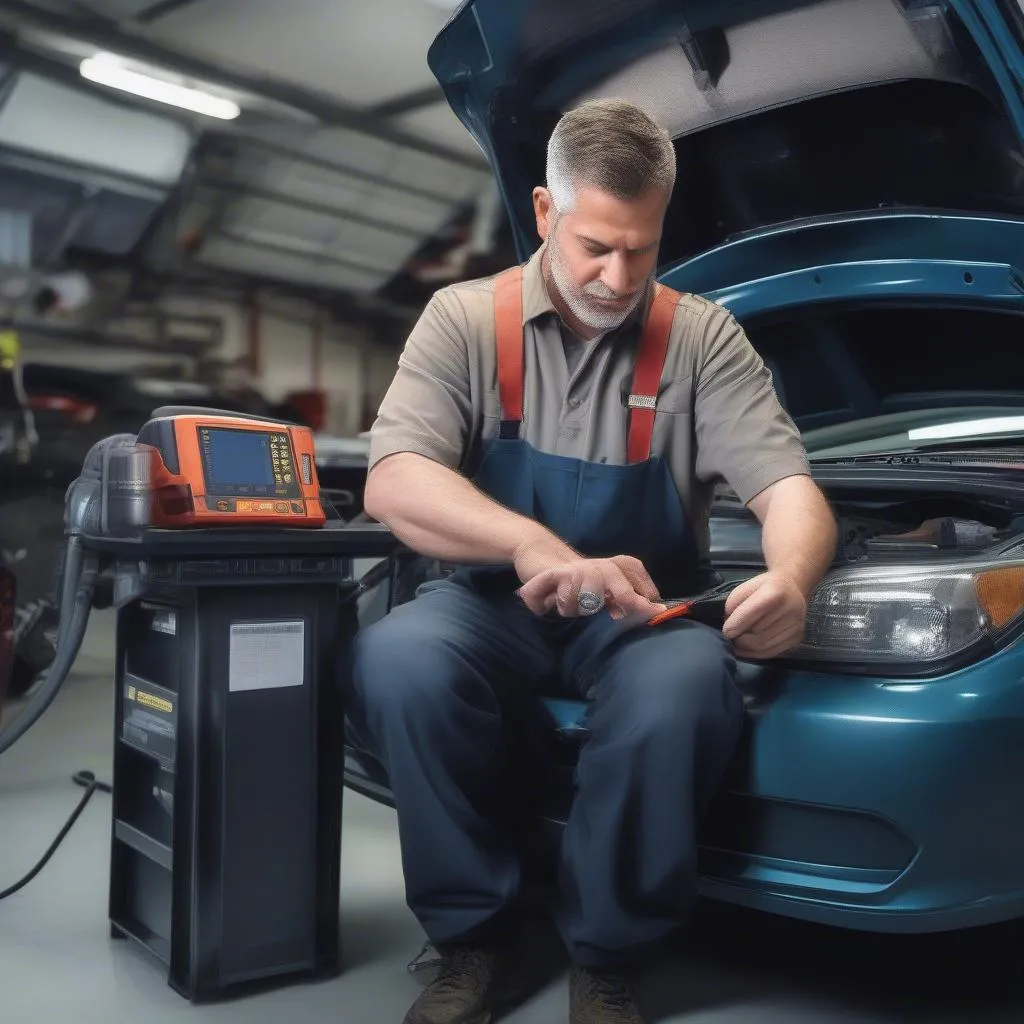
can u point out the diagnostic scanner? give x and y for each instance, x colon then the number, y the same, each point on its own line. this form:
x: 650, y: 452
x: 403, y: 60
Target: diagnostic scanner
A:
x: 205, y: 469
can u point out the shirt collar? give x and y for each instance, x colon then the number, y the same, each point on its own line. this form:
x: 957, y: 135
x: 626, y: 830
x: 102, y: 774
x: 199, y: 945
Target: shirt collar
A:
x: 536, y: 301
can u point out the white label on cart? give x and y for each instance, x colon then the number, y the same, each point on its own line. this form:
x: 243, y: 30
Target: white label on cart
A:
x: 266, y: 655
x: 166, y: 621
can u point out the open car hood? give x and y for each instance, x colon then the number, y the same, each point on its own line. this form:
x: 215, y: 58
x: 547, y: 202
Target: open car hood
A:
x: 928, y: 96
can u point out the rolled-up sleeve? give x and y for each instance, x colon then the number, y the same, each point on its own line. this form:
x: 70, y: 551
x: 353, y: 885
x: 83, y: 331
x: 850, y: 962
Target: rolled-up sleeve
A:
x: 427, y: 409
x: 744, y: 435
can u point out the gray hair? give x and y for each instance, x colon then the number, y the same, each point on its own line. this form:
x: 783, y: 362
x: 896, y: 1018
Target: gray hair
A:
x: 610, y: 145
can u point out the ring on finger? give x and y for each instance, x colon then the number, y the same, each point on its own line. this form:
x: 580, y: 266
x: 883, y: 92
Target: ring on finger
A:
x: 589, y: 602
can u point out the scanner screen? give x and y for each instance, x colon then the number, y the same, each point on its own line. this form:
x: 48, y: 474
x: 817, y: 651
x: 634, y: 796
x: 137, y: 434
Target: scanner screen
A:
x: 247, y: 462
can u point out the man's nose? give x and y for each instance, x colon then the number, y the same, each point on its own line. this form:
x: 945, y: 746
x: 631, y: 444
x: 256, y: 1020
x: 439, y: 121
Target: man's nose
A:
x: 616, y: 274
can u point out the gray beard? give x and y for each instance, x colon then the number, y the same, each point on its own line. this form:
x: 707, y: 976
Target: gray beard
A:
x: 578, y: 301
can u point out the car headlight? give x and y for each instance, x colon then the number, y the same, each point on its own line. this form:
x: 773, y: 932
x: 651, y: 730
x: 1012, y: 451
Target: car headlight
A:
x: 912, y: 617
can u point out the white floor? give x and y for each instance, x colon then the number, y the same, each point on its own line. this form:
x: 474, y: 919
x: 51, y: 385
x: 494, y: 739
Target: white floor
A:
x: 58, y: 966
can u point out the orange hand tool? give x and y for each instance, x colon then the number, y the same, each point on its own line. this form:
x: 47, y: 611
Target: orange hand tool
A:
x: 707, y: 607
x: 674, y: 610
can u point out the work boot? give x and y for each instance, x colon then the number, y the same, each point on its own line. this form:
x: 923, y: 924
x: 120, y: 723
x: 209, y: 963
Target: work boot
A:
x: 601, y: 997
x: 475, y: 982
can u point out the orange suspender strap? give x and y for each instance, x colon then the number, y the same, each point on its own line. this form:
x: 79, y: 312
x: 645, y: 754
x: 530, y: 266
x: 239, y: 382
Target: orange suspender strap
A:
x: 508, y: 332
x: 650, y: 362
x: 508, y: 335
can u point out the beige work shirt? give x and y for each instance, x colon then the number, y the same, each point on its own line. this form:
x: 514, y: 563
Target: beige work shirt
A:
x: 717, y: 418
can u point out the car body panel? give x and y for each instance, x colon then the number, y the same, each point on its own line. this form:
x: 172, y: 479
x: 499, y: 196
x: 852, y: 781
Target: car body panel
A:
x: 908, y: 255
x: 505, y: 63
x: 855, y: 799
x: 936, y: 760
x: 924, y: 836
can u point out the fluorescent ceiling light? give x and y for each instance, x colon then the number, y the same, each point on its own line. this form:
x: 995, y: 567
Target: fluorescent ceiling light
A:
x: 970, y: 428
x: 106, y: 69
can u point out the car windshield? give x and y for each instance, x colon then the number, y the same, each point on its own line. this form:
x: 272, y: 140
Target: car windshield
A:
x: 937, y: 429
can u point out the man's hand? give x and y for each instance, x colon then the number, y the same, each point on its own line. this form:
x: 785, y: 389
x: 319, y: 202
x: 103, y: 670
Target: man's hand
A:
x: 765, y: 617
x: 622, y: 582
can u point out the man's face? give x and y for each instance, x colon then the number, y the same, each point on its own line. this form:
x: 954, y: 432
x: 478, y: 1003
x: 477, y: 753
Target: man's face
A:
x: 602, y: 253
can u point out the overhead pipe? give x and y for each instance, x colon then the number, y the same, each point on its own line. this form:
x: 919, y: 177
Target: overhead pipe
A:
x: 90, y: 337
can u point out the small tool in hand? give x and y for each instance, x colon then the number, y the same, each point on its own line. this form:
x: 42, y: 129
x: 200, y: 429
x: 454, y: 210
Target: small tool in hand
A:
x: 708, y: 607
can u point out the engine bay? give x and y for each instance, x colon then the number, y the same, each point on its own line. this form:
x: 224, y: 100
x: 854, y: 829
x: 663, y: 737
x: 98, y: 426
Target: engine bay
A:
x: 880, y: 530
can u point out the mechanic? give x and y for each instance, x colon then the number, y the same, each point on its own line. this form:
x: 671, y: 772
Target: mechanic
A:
x: 516, y: 444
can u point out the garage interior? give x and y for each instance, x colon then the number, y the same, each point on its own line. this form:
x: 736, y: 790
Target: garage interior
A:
x: 271, y: 254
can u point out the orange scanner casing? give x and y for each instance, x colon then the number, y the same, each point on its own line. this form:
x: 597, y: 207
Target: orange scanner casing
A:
x: 211, y: 471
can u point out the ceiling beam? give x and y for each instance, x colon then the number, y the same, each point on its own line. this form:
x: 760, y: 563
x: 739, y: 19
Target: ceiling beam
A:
x: 105, y: 34
x: 240, y: 190
x: 181, y: 348
x: 8, y: 80
x: 299, y: 156
x: 299, y: 254
x: 81, y: 174
x: 408, y: 102
x: 232, y: 285
x: 24, y: 59
x: 159, y: 10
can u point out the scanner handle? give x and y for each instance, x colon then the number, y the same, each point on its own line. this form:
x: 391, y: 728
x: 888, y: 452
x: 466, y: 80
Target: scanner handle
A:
x: 166, y: 411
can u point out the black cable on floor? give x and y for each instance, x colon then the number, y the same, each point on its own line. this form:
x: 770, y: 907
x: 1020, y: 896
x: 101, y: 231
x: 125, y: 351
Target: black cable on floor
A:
x: 91, y: 784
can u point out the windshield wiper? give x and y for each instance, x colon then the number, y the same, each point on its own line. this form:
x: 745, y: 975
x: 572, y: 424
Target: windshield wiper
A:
x: 1004, y: 458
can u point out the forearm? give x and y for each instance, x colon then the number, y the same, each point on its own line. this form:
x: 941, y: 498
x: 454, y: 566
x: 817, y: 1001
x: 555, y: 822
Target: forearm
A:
x: 440, y: 514
x: 799, y: 533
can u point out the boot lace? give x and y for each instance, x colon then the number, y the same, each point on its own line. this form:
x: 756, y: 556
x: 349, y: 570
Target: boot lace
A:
x: 464, y: 968
x: 613, y: 993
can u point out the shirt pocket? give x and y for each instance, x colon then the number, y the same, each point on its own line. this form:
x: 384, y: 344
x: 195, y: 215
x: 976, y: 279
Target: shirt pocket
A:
x: 676, y: 398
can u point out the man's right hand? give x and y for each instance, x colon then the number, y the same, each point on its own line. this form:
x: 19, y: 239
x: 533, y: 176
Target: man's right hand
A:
x: 438, y: 513
x: 621, y: 582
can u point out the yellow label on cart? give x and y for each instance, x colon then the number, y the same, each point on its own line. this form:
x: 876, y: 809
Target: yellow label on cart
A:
x: 149, y: 700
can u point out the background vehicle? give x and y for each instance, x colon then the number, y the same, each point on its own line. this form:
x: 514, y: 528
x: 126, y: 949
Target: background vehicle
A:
x: 879, y: 271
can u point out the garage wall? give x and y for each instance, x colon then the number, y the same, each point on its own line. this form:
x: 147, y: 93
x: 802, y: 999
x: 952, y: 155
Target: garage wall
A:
x: 288, y: 354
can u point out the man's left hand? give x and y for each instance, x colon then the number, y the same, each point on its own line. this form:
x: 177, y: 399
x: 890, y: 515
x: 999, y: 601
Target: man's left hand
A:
x: 765, y: 617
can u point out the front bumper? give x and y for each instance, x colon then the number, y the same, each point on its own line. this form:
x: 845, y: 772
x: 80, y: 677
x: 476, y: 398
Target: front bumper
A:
x: 876, y: 804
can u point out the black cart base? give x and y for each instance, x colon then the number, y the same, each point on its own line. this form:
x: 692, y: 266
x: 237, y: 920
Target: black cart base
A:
x: 228, y: 753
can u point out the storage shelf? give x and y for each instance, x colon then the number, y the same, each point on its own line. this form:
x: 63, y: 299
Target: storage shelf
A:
x: 225, y: 847
x: 145, y: 937
x: 141, y: 843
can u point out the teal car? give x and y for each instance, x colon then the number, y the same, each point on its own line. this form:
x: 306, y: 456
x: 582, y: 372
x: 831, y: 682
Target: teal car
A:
x: 851, y: 186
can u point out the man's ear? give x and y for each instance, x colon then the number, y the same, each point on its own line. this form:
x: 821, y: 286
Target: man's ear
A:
x: 543, y: 209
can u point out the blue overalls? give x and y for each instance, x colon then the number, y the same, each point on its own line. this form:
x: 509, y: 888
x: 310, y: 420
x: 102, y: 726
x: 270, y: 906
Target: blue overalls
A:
x: 443, y: 683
